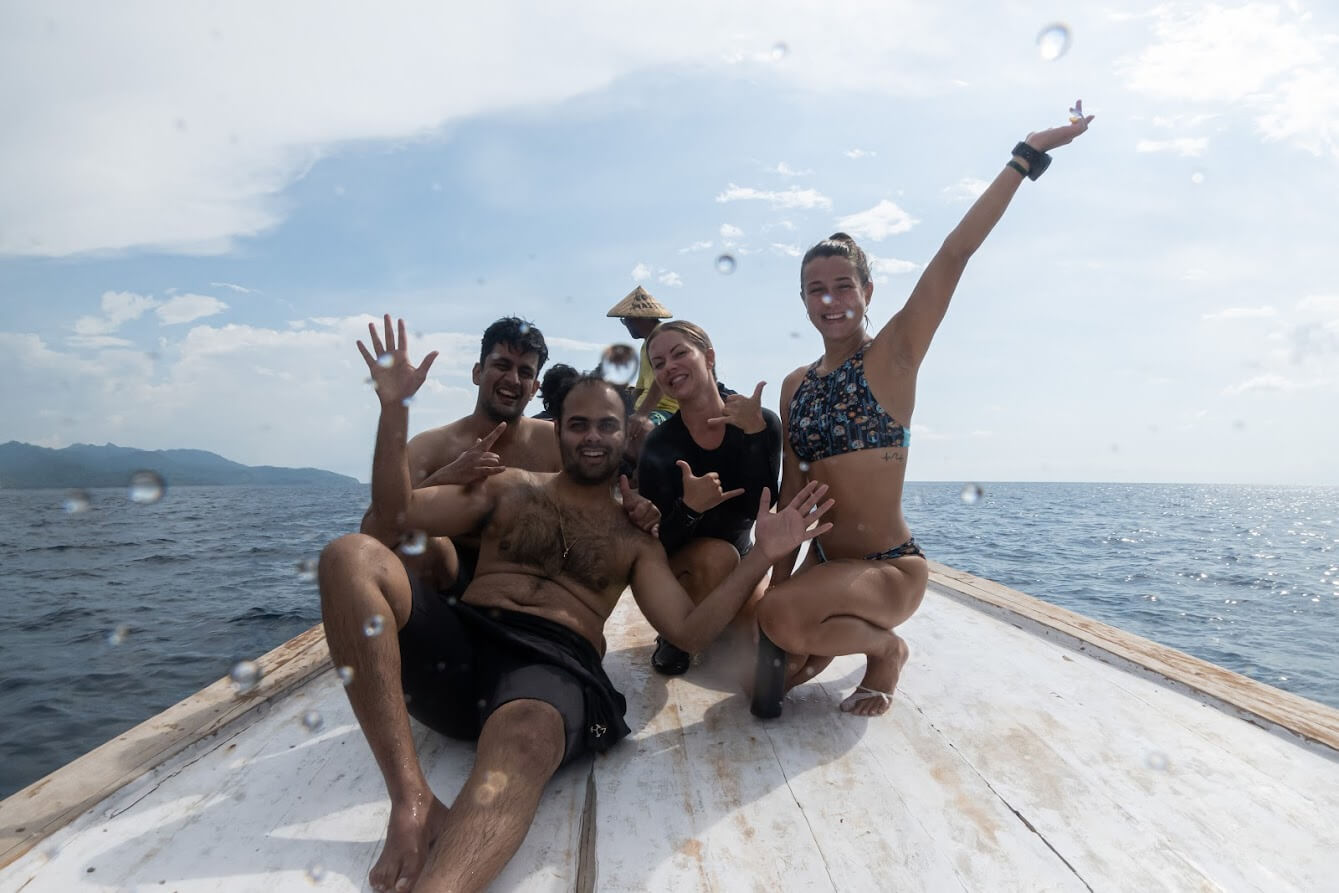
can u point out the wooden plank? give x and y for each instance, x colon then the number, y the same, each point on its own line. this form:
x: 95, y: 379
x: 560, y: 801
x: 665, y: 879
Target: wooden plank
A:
x: 276, y: 806
x: 48, y: 804
x: 1068, y: 745
x: 898, y: 807
x: 692, y: 801
x: 1269, y: 706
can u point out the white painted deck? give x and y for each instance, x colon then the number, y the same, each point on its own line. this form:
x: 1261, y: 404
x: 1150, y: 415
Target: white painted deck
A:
x: 1013, y: 759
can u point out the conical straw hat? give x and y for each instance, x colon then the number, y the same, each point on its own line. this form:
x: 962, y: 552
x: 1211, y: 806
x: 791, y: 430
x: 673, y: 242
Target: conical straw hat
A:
x: 639, y: 304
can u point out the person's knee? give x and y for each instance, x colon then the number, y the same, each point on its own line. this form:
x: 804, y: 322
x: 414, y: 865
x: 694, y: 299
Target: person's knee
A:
x: 527, y: 735
x: 351, y: 560
x: 706, y: 562
x: 779, y: 618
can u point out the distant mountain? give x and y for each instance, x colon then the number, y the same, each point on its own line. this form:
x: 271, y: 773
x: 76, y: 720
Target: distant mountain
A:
x: 83, y: 465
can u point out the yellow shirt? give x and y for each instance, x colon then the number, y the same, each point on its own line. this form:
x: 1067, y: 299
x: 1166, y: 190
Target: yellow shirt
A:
x: 645, y: 379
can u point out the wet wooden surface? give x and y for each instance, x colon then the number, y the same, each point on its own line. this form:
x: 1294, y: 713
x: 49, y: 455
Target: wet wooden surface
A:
x: 1028, y: 748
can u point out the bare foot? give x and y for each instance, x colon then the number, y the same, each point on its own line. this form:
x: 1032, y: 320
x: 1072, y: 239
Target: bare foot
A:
x: 414, y: 824
x: 874, y: 695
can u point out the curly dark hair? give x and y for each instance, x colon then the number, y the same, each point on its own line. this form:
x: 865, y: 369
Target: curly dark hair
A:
x: 838, y: 245
x: 557, y: 380
x: 519, y: 334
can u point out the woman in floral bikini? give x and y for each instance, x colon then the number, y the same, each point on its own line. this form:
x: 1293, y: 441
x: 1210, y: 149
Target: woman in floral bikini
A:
x: 846, y: 421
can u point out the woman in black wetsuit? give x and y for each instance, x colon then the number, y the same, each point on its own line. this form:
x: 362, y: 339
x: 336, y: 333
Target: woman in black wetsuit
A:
x: 704, y: 468
x: 847, y: 419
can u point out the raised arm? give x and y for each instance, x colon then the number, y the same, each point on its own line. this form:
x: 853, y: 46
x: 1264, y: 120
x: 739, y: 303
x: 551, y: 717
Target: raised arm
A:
x: 447, y: 510
x: 669, y: 609
x: 906, y: 337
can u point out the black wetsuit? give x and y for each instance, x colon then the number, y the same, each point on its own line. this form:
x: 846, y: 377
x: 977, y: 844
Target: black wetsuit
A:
x: 751, y: 461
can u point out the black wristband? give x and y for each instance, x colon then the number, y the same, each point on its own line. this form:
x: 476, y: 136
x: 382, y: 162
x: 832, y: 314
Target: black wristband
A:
x: 692, y: 516
x: 1016, y: 166
x: 1037, y: 160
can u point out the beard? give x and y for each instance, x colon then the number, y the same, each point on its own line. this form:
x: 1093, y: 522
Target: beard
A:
x: 499, y: 413
x: 587, y: 473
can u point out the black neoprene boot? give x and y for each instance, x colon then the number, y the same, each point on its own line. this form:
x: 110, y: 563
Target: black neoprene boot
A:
x: 669, y: 660
x: 769, y: 679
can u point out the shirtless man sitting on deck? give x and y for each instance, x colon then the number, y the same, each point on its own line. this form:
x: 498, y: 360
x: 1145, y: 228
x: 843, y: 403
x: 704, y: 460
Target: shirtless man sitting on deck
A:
x: 516, y: 660
x: 496, y: 435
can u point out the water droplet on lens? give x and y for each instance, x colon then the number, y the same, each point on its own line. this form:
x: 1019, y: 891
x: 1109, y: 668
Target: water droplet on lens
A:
x: 415, y: 542
x: 312, y: 720
x: 971, y: 494
x: 1157, y: 760
x: 307, y: 570
x: 482, y: 703
x: 315, y: 872
x: 146, y: 487
x: 386, y: 360
x: 776, y: 661
x: 118, y: 635
x: 620, y: 364
x: 75, y: 502
x: 524, y: 328
x: 345, y: 675
x: 245, y: 675
x: 373, y: 625
x: 1197, y: 177
x: 407, y: 401
x: 794, y: 334
x: 826, y: 299
x: 725, y: 264
x: 850, y: 314
x: 779, y: 51
x: 1053, y: 41
x: 804, y: 466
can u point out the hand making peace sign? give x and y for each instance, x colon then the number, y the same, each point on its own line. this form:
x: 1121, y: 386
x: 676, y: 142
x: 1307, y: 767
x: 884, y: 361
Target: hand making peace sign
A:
x: 473, y: 465
x: 394, y: 378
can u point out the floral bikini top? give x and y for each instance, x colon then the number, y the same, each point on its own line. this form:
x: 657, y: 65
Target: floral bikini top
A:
x: 836, y: 413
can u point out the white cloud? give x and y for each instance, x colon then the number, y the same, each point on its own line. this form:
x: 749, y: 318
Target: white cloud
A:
x: 785, y: 198
x: 786, y: 170
x: 669, y: 277
x: 97, y: 342
x: 859, y: 153
x: 696, y: 246
x: 966, y: 189
x: 877, y: 223
x: 253, y: 394
x: 1325, y: 303
x: 185, y: 308
x: 180, y: 127
x: 1271, y: 381
x: 1272, y: 62
x: 1241, y: 313
x: 1185, y: 146
x: 234, y: 287
x: 641, y: 272
x: 118, y: 308
x: 891, y: 266
x: 787, y: 250
x: 730, y: 232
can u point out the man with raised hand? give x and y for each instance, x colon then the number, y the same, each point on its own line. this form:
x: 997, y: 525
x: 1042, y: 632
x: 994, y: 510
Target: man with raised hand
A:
x: 494, y: 436
x: 516, y: 660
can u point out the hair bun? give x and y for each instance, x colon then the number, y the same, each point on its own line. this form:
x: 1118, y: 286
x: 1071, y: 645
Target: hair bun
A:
x: 841, y: 237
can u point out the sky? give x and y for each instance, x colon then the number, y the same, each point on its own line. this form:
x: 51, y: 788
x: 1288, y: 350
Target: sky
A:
x: 203, y: 204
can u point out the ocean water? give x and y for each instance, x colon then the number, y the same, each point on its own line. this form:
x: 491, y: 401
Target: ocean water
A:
x: 111, y: 614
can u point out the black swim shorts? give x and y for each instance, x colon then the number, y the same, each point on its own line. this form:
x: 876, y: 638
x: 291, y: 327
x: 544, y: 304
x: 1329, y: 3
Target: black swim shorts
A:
x: 459, y: 663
